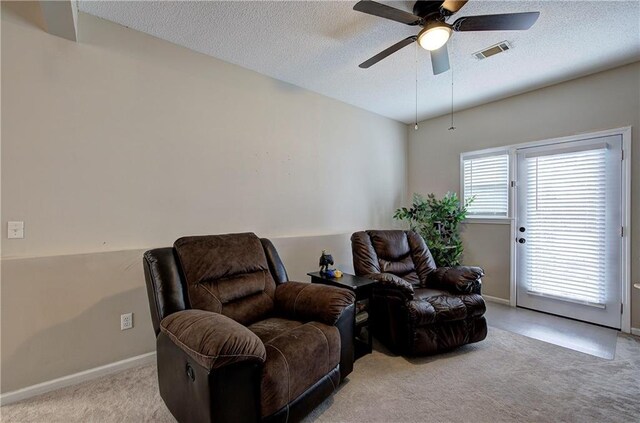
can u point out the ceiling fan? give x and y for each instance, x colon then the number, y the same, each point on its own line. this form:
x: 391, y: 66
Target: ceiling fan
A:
x: 432, y: 17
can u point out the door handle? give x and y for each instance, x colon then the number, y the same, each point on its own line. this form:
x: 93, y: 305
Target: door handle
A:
x: 522, y: 240
x: 522, y: 229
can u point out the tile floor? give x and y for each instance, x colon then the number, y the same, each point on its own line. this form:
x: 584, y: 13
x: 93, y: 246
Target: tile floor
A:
x: 578, y: 336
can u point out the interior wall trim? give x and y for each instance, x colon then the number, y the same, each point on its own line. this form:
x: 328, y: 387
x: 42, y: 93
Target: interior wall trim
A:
x: 80, y: 252
x: 496, y: 299
x: 76, y: 378
x: 635, y: 331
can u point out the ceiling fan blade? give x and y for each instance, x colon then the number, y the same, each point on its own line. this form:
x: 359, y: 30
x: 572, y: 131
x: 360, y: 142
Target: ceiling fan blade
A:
x: 388, y: 52
x: 453, y: 5
x: 387, y: 12
x: 440, y: 60
x: 505, y: 22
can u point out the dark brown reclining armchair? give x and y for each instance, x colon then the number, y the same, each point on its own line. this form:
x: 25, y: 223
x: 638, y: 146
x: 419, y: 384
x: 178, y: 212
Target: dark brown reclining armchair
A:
x: 235, y: 340
x: 416, y: 308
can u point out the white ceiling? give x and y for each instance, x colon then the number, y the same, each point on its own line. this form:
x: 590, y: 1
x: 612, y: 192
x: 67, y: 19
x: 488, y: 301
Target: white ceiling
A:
x: 318, y: 46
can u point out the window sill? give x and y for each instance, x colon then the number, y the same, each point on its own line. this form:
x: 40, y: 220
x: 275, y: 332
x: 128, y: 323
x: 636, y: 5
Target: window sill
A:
x: 489, y: 220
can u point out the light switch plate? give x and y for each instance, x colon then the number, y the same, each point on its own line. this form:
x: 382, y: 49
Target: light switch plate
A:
x: 15, y: 230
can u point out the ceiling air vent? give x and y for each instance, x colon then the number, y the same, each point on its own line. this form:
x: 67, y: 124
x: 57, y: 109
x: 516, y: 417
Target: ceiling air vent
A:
x: 493, y: 50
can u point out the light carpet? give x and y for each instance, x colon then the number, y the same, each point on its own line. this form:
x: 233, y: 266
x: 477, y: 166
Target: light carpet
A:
x: 507, y: 377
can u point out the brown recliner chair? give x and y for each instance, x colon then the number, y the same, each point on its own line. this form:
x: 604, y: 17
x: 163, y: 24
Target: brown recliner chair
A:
x: 235, y: 340
x: 417, y: 308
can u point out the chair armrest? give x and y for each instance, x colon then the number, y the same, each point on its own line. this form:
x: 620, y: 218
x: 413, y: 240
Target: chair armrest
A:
x: 312, y: 302
x: 393, y: 282
x: 459, y: 279
x: 211, y: 339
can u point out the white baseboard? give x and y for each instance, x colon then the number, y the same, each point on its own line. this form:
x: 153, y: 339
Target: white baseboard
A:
x: 74, y: 379
x: 635, y: 331
x: 496, y: 299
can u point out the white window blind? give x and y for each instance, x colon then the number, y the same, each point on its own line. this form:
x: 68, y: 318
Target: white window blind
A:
x: 486, y: 179
x: 566, y: 199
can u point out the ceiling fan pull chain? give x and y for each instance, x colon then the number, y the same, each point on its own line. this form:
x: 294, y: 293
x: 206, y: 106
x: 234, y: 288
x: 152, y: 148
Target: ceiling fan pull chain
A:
x: 416, y: 58
x: 452, y: 127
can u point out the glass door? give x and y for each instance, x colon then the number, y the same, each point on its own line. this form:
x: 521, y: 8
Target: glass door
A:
x: 569, y: 220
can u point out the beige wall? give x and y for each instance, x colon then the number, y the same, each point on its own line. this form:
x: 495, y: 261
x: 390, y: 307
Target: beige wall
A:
x: 488, y: 246
x: 601, y: 101
x: 122, y: 142
x: 61, y: 314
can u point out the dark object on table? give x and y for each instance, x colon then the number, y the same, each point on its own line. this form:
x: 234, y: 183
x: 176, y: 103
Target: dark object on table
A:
x: 326, y: 260
x: 417, y: 308
x: 362, y: 288
x: 234, y: 336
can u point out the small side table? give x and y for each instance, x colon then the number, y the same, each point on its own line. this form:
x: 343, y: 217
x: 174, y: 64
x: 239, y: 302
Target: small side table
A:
x: 362, y: 288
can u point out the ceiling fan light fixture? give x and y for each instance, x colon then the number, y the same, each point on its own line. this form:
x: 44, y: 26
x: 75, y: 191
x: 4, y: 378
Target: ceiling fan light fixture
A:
x: 434, y: 36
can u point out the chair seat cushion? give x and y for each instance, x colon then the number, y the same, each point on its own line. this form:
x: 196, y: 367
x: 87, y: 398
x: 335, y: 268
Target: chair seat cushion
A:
x: 298, y: 355
x: 433, y: 306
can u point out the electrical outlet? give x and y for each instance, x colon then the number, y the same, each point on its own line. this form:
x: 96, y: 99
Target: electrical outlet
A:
x: 126, y: 321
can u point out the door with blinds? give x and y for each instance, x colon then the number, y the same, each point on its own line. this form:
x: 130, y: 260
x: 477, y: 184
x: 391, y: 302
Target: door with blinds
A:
x: 568, y: 226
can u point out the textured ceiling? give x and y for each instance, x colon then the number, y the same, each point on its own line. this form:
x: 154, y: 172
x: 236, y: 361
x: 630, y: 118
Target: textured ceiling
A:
x: 318, y: 46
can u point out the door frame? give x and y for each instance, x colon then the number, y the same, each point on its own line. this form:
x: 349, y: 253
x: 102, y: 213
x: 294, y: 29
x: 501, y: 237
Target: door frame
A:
x: 625, y: 132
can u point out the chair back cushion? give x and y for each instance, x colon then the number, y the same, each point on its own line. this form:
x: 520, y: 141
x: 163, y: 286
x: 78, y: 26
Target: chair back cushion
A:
x: 227, y: 274
x: 401, y: 253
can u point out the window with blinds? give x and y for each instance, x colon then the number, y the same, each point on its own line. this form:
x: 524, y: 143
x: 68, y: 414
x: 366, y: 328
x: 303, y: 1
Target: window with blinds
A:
x: 486, y: 180
x: 565, y: 206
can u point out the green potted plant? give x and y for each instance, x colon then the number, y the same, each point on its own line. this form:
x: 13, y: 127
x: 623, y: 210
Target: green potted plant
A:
x: 438, y: 221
